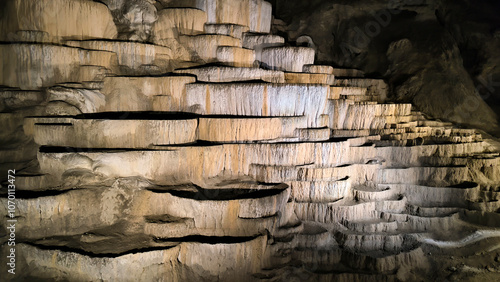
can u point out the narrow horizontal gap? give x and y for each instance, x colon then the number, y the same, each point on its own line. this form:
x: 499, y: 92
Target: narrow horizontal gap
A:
x: 56, y: 149
x: 465, y: 185
x: 55, y: 124
x: 139, y: 116
x: 27, y: 194
x: 208, y: 239
x: 92, y: 254
x: 201, y: 194
x: 153, y: 115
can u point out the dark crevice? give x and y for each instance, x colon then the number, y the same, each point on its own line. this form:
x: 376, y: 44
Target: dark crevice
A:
x: 197, y: 143
x: 165, y: 75
x: 208, y: 239
x: 213, y: 64
x: 319, y: 202
x: 165, y: 116
x: 55, y: 124
x: 465, y: 185
x: 91, y: 254
x: 57, y: 149
x: 139, y: 116
x: 165, y: 218
x: 153, y: 115
x: 27, y: 194
x: 202, y: 194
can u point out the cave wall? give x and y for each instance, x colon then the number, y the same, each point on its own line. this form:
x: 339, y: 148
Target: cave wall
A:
x: 440, y: 55
x: 180, y: 140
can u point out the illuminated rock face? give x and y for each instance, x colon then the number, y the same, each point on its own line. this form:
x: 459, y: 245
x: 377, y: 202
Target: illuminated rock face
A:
x: 180, y: 159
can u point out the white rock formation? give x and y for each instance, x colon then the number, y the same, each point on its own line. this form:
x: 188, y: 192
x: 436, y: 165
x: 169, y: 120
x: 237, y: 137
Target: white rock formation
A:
x: 55, y: 21
x: 136, y: 161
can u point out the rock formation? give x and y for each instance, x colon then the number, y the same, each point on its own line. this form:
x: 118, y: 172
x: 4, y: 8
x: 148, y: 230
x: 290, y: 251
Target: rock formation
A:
x: 440, y: 55
x: 181, y: 141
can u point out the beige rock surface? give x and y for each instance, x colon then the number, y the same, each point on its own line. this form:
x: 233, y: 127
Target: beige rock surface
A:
x: 178, y: 21
x: 232, y: 74
x: 256, y: 14
x: 235, y: 56
x: 33, y: 66
x: 124, y: 93
x: 318, y: 69
x: 55, y: 21
x: 205, y: 46
x: 134, y: 57
x: 309, y: 78
x: 136, y: 161
x: 290, y: 59
x: 98, y: 133
x: 257, y: 99
x: 232, y: 30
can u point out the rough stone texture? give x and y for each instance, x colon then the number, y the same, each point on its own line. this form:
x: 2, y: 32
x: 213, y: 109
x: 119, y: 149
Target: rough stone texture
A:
x: 290, y: 59
x: 55, y: 21
x: 136, y: 57
x: 309, y: 78
x: 135, y: 94
x: 439, y: 55
x: 88, y: 133
x: 256, y: 14
x: 133, y: 18
x: 231, y: 74
x: 235, y: 56
x: 205, y: 46
x: 134, y: 162
x: 33, y: 66
x: 174, y: 22
x: 259, y: 42
x: 233, y: 30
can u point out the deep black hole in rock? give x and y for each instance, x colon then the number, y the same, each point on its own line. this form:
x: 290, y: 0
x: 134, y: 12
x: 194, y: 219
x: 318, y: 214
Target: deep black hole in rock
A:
x: 208, y: 239
x: 56, y: 149
x: 26, y: 194
x: 203, y: 194
x: 464, y: 185
x: 92, y: 254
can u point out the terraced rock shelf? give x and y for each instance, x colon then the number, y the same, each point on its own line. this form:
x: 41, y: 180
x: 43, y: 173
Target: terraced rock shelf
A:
x: 216, y: 152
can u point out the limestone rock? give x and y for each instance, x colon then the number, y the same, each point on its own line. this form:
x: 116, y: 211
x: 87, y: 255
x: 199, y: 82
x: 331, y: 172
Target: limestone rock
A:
x: 205, y: 46
x: 82, y: 133
x: 247, y: 129
x: 444, y: 43
x: 147, y: 93
x: 259, y: 42
x: 290, y: 59
x: 46, y: 65
x: 232, y: 30
x: 133, y: 18
x: 236, y: 56
x: 253, y: 41
x: 256, y: 14
x: 55, y: 21
x: 183, y: 160
x: 180, y: 21
x: 318, y: 69
x: 11, y: 99
x: 312, y: 78
x: 139, y: 58
x: 255, y: 99
x: 232, y: 74
x: 86, y: 101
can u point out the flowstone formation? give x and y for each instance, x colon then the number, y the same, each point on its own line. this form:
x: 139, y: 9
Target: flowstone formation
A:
x: 213, y: 151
